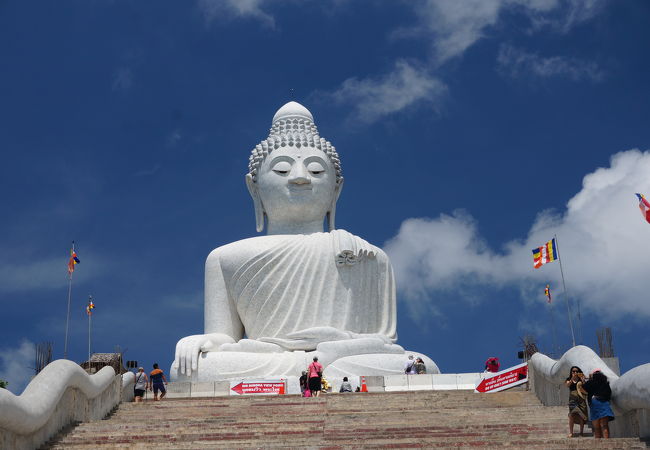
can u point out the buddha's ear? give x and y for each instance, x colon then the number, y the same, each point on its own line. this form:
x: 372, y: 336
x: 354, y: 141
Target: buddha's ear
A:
x: 257, y: 202
x: 331, y: 214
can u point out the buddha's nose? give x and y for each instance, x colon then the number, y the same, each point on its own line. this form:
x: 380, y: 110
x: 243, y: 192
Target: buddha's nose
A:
x: 299, y: 175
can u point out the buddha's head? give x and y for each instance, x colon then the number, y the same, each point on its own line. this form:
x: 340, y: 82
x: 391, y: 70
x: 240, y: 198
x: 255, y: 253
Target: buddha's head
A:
x: 294, y: 176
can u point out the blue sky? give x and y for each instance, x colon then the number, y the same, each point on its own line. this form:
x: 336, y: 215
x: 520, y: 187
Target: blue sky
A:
x: 469, y: 133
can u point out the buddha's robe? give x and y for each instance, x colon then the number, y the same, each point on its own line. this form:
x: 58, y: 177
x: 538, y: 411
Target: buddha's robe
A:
x: 281, y: 284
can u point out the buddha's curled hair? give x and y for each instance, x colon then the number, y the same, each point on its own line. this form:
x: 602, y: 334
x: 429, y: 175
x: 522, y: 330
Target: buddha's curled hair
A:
x: 299, y: 132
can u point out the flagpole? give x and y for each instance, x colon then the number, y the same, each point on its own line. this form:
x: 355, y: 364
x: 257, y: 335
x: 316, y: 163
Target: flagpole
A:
x: 67, y: 319
x: 90, y: 318
x: 566, y: 296
x: 550, y: 311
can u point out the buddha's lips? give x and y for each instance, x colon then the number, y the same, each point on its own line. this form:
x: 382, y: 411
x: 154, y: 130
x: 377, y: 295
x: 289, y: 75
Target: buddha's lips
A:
x: 300, y: 187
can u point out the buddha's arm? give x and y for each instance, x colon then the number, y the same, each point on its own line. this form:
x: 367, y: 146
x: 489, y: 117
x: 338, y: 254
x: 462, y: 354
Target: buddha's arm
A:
x: 222, y: 324
x: 221, y: 314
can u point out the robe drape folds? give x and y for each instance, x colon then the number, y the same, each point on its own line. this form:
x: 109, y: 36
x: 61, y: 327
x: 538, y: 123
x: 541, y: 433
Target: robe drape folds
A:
x: 330, y: 279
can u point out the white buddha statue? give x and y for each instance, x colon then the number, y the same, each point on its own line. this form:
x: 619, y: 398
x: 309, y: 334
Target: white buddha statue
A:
x: 273, y: 302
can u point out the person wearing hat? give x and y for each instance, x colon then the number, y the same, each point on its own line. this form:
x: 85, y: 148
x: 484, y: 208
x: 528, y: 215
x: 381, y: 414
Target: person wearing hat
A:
x: 140, y: 386
x: 577, y: 400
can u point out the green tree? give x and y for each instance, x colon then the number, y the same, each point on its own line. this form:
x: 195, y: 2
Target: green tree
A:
x: 4, y: 384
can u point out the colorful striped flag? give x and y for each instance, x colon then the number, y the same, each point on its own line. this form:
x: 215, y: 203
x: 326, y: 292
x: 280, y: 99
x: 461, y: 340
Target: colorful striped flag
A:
x: 73, y: 261
x: 544, y: 254
x: 644, y: 206
x: 547, y: 292
x: 90, y: 307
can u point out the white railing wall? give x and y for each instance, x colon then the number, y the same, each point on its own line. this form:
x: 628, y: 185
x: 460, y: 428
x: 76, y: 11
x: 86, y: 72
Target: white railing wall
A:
x: 630, y: 392
x: 62, y: 394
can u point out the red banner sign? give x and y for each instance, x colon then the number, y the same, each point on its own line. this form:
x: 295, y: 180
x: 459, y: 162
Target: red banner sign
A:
x: 514, y: 376
x: 263, y: 387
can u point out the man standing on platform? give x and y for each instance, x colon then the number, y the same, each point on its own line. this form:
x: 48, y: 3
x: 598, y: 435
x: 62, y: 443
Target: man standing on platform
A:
x: 409, y: 366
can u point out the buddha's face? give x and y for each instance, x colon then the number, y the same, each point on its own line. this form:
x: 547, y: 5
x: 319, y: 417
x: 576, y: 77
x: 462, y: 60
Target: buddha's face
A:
x: 296, y: 184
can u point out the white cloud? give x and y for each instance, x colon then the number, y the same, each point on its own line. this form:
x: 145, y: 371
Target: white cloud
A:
x: 561, y: 15
x: 17, y: 366
x: 603, y: 242
x: 215, y: 9
x: 26, y: 276
x: 405, y: 86
x: 517, y: 62
x: 457, y: 25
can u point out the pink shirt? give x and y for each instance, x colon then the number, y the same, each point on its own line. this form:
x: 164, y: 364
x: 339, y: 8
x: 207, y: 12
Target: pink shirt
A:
x: 314, y: 368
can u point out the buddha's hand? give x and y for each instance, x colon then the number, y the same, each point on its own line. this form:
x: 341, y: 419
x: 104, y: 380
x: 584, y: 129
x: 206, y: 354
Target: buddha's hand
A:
x: 309, y: 338
x: 328, y: 352
x: 188, y: 349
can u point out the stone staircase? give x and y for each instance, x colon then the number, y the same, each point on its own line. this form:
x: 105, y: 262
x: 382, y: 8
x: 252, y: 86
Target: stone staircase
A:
x: 424, y: 419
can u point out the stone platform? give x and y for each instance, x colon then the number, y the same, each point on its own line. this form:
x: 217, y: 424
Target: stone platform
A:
x: 422, y: 419
x: 390, y: 383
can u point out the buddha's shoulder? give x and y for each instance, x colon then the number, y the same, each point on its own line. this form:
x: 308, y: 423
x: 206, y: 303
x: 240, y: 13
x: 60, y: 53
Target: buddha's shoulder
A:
x: 243, y: 248
x: 238, y: 251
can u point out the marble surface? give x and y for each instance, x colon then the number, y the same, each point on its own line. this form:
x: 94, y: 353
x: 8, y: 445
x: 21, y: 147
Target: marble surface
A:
x: 272, y: 302
x: 630, y: 391
x: 29, y: 411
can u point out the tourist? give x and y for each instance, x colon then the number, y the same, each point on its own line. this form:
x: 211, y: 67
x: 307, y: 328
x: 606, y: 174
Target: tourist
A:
x: 304, y: 384
x: 158, y: 382
x: 577, y: 402
x: 420, y: 368
x: 315, y: 371
x: 345, y: 386
x: 140, y: 386
x: 598, y: 395
x: 492, y: 364
x: 409, y: 366
x: 326, y: 386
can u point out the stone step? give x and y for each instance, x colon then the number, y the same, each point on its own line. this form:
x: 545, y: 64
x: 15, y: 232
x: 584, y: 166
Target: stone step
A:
x: 431, y: 419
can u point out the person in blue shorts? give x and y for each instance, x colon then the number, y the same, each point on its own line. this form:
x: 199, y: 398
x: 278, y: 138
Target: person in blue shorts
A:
x: 598, y: 395
x: 157, y: 382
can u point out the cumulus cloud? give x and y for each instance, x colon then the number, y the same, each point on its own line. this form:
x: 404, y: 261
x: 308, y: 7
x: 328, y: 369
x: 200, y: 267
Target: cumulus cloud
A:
x: 600, y: 232
x: 406, y: 85
x: 16, y: 366
x: 215, y: 9
x: 516, y: 62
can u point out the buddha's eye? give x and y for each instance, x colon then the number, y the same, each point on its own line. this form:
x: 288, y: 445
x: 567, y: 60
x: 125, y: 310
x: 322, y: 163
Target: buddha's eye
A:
x: 315, y: 168
x: 281, y: 168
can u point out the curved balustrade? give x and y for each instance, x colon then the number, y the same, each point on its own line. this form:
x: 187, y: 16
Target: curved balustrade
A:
x: 60, y: 394
x: 629, y: 392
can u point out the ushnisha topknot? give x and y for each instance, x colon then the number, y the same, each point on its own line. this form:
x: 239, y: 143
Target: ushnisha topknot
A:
x: 293, y: 125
